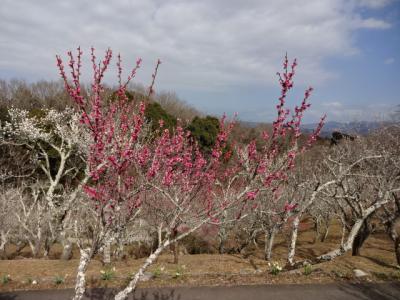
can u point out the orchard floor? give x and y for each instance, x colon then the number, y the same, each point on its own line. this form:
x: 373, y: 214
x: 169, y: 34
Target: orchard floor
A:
x: 377, y: 259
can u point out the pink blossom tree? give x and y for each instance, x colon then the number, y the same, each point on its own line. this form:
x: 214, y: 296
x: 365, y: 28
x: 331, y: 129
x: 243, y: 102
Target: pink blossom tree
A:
x: 167, y: 171
x: 261, y: 169
x: 115, y: 130
x: 192, y: 191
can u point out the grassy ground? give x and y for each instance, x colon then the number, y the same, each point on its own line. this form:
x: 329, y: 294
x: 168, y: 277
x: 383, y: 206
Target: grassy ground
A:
x: 377, y: 259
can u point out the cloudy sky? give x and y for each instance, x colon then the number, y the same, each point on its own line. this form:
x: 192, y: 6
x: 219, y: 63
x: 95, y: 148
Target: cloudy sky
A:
x: 222, y: 55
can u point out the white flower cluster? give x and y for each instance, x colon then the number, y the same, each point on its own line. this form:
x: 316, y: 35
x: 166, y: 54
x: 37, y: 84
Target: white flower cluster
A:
x: 23, y: 126
x: 275, y: 268
x: 52, y: 127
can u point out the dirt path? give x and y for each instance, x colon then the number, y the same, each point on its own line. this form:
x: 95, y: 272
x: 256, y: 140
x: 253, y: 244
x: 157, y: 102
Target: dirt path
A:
x: 384, y: 291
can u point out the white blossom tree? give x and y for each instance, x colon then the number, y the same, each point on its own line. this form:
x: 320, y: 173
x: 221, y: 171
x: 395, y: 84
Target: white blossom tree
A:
x: 57, y: 145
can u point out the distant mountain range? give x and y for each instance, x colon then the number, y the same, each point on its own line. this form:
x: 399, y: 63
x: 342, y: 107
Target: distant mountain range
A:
x: 354, y: 128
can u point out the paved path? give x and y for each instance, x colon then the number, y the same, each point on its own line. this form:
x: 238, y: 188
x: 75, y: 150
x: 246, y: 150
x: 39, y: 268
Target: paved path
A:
x: 385, y: 291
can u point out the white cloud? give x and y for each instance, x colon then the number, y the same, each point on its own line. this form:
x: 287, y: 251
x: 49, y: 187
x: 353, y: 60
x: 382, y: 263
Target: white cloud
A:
x: 204, y: 44
x: 374, y: 3
x: 389, y: 61
x: 334, y: 104
x: 371, y: 23
x: 338, y: 111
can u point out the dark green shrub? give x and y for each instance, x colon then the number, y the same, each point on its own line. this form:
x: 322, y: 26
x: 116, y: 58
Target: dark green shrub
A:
x: 4, y: 116
x: 205, y: 131
x: 154, y: 113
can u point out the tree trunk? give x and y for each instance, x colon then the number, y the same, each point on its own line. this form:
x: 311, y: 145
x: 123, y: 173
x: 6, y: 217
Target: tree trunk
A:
x: 397, y: 250
x: 46, y: 250
x: 393, y: 233
x: 20, y: 247
x: 242, y: 247
x: 347, y: 245
x: 323, y: 238
x: 67, y: 250
x: 353, y: 232
x: 293, y: 240
x: 37, y: 243
x: 119, y: 251
x: 175, y: 247
x: 80, y: 285
x: 317, y: 230
x: 221, y: 246
x: 122, y: 295
x: 269, y: 242
x: 47, y: 246
x: 107, y: 253
x: 343, y: 235
x: 361, y: 237
x: 3, y: 243
x: 222, y: 240
x: 35, y: 248
x: 3, y: 254
x: 160, y: 235
x: 66, y: 245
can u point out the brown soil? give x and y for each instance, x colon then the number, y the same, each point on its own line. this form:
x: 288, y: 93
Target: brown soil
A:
x: 377, y: 259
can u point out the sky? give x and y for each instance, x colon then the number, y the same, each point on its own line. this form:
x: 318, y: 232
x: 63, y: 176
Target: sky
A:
x: 222, y: 55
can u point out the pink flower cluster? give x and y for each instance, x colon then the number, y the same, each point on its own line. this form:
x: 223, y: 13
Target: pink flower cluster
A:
x: 123, y: 166
x: 115, y: 129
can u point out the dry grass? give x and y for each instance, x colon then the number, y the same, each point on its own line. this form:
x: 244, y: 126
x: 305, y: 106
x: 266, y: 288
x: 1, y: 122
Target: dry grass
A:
x: 377, y: 259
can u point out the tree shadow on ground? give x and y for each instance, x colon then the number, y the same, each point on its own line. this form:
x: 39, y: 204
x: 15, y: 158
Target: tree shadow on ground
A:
x: 105, y: 294
x: 372, y: 291
x: 379, y: 262
x: 8, y: 297
x: 306, y: 253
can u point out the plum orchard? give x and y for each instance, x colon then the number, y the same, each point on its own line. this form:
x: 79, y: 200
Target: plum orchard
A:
x: 128, y: 169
